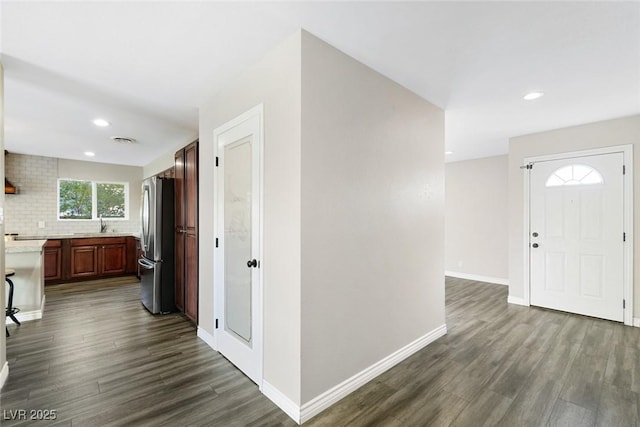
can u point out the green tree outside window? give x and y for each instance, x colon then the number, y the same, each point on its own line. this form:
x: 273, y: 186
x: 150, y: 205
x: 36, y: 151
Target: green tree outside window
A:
x: 75, y: 199
x: 110, y: 199
x: 92, y: 200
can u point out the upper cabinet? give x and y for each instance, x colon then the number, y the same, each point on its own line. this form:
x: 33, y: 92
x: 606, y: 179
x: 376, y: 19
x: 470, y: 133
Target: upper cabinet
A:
x: 9, y: 188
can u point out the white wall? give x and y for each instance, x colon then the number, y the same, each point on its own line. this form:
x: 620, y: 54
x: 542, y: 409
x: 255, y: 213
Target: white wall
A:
x: 160, y: 164
x: 36, y: 178
x: 619, y: 131
x: 275, y: 82
x: 476, y: 219
x: 163, y: 162
x: 3, y: 347
x: 353, y: 214
x: 372, y: 217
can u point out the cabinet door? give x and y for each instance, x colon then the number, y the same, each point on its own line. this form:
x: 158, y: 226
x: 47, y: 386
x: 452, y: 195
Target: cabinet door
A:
x: 191, y: 278
x: 191, y: 232
x: 84, y: 261
x: 132, y: 255
x: 52, y: 263
x: 180, y: 226
x: 113, y: 259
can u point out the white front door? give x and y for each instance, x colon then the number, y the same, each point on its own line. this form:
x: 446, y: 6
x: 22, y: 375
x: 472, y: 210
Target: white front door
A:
x: 238, y: 287
x: 576, y: 235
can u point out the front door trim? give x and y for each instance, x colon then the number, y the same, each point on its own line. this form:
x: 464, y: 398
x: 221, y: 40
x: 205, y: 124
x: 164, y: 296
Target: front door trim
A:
x: 627, y: 151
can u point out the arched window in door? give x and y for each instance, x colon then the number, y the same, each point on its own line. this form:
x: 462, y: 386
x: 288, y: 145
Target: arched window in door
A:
x: 574, y: 175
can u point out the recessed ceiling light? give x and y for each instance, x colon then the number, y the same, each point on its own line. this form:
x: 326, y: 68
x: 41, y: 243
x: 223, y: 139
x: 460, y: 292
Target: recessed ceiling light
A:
x: 89, y: 153
x: 448, y: 152
x: 532, y: 95
x: 101, y: 122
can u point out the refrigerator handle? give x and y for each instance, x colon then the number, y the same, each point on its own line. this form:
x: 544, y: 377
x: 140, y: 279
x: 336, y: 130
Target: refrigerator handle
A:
x: 145, y: 264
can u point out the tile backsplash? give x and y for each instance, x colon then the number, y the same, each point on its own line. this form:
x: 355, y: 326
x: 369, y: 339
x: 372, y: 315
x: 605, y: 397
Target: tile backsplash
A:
x: 36, y: 178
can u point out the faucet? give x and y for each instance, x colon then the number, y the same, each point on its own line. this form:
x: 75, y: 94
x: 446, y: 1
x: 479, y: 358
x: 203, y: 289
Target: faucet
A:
x: 103, y: 225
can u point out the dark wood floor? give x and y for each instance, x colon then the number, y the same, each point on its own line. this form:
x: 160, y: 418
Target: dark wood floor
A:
x: 99, y: 359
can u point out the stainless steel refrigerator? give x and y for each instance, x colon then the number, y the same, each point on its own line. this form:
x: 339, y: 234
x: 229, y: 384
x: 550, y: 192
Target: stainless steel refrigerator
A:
x: 157, y: 244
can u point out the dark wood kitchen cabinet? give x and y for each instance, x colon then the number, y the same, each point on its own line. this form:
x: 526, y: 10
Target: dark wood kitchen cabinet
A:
x: 186, y: 216
x: 113, y: 259
x: 101, y: 256
x: 84, y: 261
x: 133, y: 254
x: 69, y: 260
x: 53, y: 260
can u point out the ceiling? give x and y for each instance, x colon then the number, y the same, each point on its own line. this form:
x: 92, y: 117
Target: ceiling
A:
x: 147, y: 66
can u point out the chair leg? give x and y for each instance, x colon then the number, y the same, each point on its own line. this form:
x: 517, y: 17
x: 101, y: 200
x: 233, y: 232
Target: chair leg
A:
x: 13, y: 317
x: 10, y: 312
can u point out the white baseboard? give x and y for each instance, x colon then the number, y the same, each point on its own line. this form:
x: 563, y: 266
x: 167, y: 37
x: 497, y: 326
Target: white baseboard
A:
x: 4, y: 374
x: 301, y: 414
x: 331, y: 396
x: 516, y: 300
x: 207, y: 338
x: 636, y: 322
x: 477, y: 277
x: 24, y: 316
x: 287, y: 405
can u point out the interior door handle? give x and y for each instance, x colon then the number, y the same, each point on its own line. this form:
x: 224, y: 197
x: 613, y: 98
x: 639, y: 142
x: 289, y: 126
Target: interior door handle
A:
x: 252, y: 263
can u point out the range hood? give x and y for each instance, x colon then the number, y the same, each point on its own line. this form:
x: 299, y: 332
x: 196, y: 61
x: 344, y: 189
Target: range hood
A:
x: 9, y: 188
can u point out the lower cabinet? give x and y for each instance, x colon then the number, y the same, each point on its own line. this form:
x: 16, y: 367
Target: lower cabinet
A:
x: 113, y: 259
x: 89, y: 258
x: 84, y: 261
x: 53, y: 260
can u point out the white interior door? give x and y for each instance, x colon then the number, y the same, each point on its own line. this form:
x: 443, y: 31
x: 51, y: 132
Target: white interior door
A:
x: 576, y: 235
x: 238, y: 289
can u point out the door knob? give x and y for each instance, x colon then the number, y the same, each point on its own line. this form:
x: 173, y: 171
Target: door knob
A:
x: 535, y: 234
x: 252, y: 263
x: 535, y: 245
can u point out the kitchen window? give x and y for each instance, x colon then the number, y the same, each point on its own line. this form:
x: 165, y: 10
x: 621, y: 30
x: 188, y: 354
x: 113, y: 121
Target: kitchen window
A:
x: 90, y: 200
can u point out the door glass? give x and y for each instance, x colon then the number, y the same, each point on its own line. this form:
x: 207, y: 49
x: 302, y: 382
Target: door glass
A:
x: 145, y: 217
x: 237, y: 238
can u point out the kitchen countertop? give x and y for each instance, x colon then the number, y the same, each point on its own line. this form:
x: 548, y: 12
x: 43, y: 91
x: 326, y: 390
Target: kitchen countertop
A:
x: 21, y: 246
x: 75, y: 236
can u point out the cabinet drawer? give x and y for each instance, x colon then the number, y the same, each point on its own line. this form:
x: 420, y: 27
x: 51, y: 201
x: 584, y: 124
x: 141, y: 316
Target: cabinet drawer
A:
x: 53, y: 244
x: 98, y: 241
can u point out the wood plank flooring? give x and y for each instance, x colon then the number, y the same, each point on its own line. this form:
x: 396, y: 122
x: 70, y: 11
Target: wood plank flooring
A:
x: 99, y: 359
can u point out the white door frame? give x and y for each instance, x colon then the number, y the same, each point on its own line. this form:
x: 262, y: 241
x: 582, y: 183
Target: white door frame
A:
x: 627, y: 151
x: 258, y: 338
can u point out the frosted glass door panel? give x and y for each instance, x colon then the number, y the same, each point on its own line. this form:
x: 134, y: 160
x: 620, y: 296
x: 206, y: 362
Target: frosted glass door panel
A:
x: 237, y: 238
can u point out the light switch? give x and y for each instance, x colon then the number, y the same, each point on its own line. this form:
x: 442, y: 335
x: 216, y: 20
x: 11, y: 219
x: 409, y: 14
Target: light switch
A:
x: 40, y: 224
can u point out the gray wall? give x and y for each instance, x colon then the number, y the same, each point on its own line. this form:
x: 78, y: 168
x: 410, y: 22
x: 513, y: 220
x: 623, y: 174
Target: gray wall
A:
x: 275, y: 82
x: 36, y: 178
x: 372, y: 217
x: 476, y: 231
x: 619, y: 131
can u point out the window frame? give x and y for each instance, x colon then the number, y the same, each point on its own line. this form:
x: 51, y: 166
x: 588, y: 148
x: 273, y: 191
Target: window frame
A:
x: 574, y: 182
x: 94, y: 200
